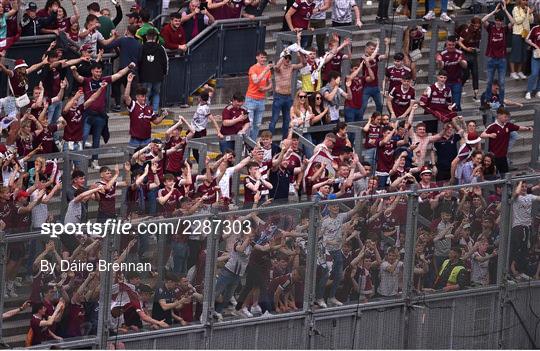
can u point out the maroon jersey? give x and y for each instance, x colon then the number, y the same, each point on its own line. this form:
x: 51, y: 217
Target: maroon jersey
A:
x: 172, y: 203
x: 496, y: 45
x: 76, y: 317
x: 107, y: 200
x: 499, y: 145
x: 231, y: 112
x: 471, y: 37
x: 140, y: 117
x: 63, y: 24
x: 284, y: 283
x: 340, y: 143
x: 174, y: 160
x: 18, y: 84
x: 21, y: 221
x: 534, y: 35
x: 372, y: 137
x: 294, y: 161
x: 385, y: 156
x: 439, y: 99
x: 357, y: 90
x: 46, y: 139
x: 39, y: 334
x: 333, y: 65
x: 401, y: 100
x: 24, y: 146
x: 451, y: 61
x: 52, y: 85
x: 209, y: 190
x: 249, y: 195
x: 374, y: 65
x: 234, y: 9
x: 187, y: 190
x: 395, y: 75
x: 89, y: 87
x: 301, y: 17
x: 73, y: 131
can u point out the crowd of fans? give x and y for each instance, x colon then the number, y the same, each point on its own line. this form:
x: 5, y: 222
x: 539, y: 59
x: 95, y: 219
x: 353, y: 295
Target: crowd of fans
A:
x: 360, y: 244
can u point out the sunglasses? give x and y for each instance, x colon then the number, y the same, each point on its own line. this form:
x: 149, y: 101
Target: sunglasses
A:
x: 302, y: 96
x: 318, y: 98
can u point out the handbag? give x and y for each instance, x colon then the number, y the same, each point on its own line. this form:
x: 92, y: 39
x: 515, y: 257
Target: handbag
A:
x: 524, y: 33
x: 22, y: 101
x: 415, y: 55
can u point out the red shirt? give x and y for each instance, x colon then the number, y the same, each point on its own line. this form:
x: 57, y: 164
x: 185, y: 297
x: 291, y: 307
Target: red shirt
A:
x: 496, y: 46
x: 373, y: 135
x: 140, y: 117
x: 174, y: 160
x: 374, y: 65
x: 46, y: 139
x: 18, y: 84
x: 209, y: 190
x: 231, y: 112
x: 333, y: 65
x: 107, y: 200
x: 534, y: 35
x: 385, y: 156
x: 234, y: 8
x: 89, y: 87
x: 471, y: 37
x: 172, y: 202
x: 401, y: 100
x: 395, y: 75
x: 451, y: 61
x: 357, y: 89
x: 340, y: 143
x: 499, y: 145
x: 73, y: 131
x: 440, y: 99
x: 304, y: 9
x: 173, y: 37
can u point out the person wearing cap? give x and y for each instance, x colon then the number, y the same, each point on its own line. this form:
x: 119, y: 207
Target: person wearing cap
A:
x: 173, y: 33
x: 452, y: 273
x: 496, y: 47
x: 195, y: 19
x: 134, y: 19
x: 453, y: 62
x: 18, y: 78
x: 396, y: 72
x: 31, y: 24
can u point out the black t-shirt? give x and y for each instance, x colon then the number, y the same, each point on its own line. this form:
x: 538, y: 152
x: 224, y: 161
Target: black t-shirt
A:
x: 280, y: 180
x: 446, y: 150
x: 157, y: 312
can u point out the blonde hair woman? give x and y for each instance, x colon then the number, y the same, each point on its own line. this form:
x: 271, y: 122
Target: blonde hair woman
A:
x: 301, y: 111
x: 523, y: 16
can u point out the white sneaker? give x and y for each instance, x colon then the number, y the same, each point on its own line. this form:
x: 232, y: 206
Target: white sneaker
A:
x: 522, y: 75
x: 237, y: 313
x: 256, y: 309
x: 450, y: 6
x: 217, y: 316
x: 399, y: 9
x: 528, y: 96
x: 233, y: 302
x: 18, y: 282
x: 429, y: 16
x: 445, y: 17
x: 267, y: 314
x: 95, y: 165
x: 246, y: 312
x: 334, y: 302
x: 87, y: 145
x: 538, y: 94
x: 321, y: 303
x: 514, y: 76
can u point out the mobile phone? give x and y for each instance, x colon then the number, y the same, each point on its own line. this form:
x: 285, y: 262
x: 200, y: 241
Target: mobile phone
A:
x: 203, y: 6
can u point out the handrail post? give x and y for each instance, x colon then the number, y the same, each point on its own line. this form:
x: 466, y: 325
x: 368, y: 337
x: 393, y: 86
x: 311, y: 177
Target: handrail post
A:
x: 3, y: 248
x: 238, y: 147
x: 105, y: 295
x: 535, y: 152
x: 433, y: 48
x: 310, y: 278
x: 408, y: 261
x: 414, y: 9
x: 209, y: 277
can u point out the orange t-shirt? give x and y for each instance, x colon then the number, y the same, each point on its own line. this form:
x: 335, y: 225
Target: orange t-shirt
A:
x: 253, y: 88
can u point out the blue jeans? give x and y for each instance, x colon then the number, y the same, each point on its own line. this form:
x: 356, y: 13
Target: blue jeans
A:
x: 225, y: 286
x: 375, y: 93
x: 76, y: 147
x: 281, y: 103
x: 352, y: 115
x: 224, y: 144
x: 255, y: 109
x: 456, y: 89
x: 499, y: 65
x: 533, y: 83
x: 152, y: 94
x: 444, y: 5
x: 53, y: 112
x: 138, y: 142
x: 95, y: 123
x: 337, y: 271
x: 151, y: 204
x: 513, y: 137
x: 180, y: 252
x: 322, y: 278
x: 369, y: 156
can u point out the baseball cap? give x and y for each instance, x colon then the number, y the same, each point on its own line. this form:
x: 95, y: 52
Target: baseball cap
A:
x: 21, y: 193
x: 425, y: 169
x: 31, y: 6
x: 473, y: 138
x: 133, y: 15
